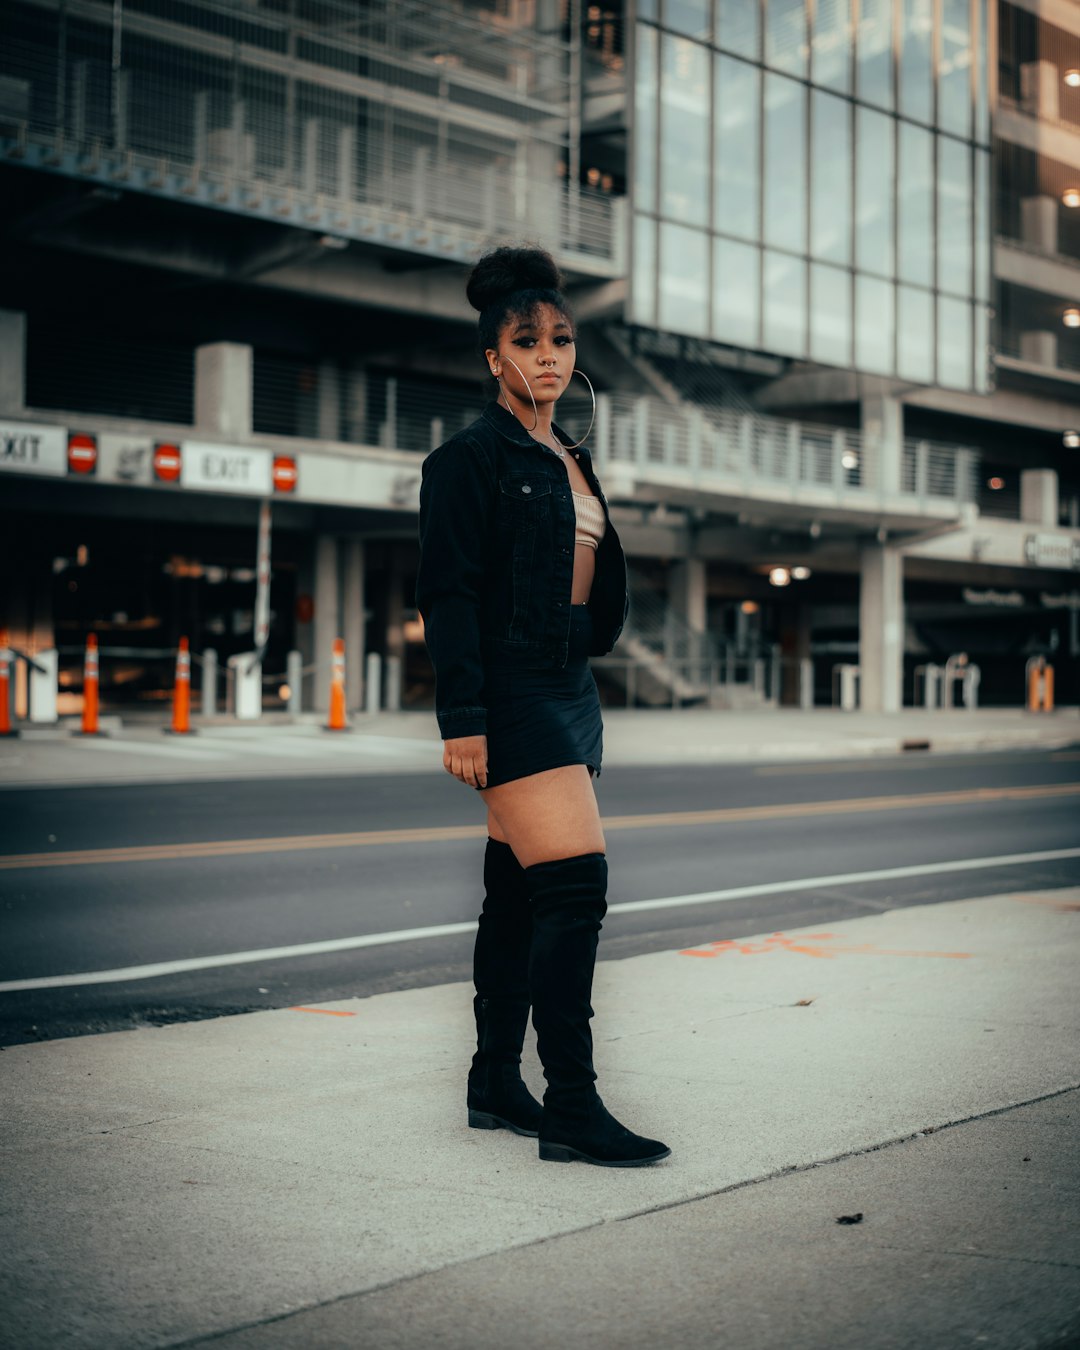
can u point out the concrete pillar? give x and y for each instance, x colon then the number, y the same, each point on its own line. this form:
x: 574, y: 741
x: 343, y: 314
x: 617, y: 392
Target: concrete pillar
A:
x: 327, y: 617
x: 328, y: 394
x: 1040, y: 89
x: 687, y: 593
x: 223, y: 376
x: 1039, y: 223
x: 1039, y: 347
x: 881, y: 627
x: 12, y: 361
x: 355, y: 429
x: 354, y: 621
x: 1039, y: 497
x: 883, y: 443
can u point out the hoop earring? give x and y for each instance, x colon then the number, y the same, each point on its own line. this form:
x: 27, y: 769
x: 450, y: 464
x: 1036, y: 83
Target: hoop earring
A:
x: 536, y: 411
x: 592, y: 419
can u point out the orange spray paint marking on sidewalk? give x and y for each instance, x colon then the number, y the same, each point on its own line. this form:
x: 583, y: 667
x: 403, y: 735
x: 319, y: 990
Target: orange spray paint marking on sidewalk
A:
x: 809, y: 945
x: 326, y: 1012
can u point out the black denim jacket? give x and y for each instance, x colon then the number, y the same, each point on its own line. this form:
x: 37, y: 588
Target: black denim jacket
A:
x: 497, y: 560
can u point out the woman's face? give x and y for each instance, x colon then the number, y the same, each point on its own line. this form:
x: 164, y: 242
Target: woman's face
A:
x: 536, y: 355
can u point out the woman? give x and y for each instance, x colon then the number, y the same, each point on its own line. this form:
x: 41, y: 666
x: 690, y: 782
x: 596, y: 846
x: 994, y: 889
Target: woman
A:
x: 521, y: 579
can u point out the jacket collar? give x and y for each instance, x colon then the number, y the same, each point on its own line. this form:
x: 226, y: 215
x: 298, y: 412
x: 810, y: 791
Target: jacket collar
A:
x: 507, y: 425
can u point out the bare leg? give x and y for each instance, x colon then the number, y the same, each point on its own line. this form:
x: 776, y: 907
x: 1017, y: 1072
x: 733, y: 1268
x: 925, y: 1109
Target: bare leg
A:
x: 548, y: 815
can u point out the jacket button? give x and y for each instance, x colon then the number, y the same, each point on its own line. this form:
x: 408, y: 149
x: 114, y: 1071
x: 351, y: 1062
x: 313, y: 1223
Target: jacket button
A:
x: 526, y: 488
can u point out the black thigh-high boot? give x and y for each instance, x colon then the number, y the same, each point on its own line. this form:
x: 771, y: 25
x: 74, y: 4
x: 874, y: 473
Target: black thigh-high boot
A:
x: 497, y: 1097
x: 568, y: 904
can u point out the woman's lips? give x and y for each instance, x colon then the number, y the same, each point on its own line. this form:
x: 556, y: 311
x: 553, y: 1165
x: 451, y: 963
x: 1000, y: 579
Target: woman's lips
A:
x: 549, y: 379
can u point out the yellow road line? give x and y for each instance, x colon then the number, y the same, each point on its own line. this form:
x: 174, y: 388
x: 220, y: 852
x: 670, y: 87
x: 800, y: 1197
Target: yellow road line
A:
x: 296, y: 843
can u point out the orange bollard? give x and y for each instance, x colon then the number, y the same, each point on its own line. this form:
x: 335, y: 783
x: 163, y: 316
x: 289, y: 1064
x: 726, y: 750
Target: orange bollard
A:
x: 337, y: 688
x: 181, y: 703
x: 1048, y: 689
x: 90, y: 688
x: 6, y: 655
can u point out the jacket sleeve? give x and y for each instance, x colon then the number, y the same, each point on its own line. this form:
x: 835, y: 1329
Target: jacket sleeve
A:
x: 456, y: 508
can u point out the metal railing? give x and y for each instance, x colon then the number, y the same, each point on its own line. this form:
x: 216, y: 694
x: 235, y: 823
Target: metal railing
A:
x: 421, y: 126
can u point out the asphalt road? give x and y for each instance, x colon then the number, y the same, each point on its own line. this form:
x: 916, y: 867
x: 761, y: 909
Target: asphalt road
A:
x: 106, y: 879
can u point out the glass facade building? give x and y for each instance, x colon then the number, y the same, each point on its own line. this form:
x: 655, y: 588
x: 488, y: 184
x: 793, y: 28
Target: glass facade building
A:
x: 815, y: 185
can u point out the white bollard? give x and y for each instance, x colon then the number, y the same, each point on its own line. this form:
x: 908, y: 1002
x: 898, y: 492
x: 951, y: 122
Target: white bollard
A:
x: 849, y: 687
x: 247, y: 686
x: 392, y: 697
x: 372, y: 683
x: 294, y: 678
x: 208, y: 684
x: 806, y: 683
x: 43, y: 686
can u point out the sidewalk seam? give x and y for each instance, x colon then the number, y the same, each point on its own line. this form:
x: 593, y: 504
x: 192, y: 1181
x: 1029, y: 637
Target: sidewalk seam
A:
x: 790, y: 1170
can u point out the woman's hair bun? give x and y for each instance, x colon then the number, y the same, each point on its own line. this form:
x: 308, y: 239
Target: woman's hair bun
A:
x: 505, y: 270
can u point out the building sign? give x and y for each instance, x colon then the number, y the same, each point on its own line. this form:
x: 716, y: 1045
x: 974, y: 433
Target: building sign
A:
x: 27, y: 448
x: 124, y: 458
x: 1009, y: 599
x: 226, y: 468
x: 167, y: 461
x: 1052, y: 550
x: 82, y: 453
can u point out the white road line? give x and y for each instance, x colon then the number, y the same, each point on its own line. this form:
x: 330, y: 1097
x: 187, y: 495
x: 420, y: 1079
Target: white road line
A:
x: 159, y: 968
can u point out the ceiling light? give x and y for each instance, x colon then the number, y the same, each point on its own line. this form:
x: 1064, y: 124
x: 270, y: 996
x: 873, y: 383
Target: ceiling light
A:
x: 1071, y: 196
x: 1071, y: 440
x: 749, y: 606
x: 1071, y: 318
x: 995, y: 484
x: 849, y: 459
x: 800, y: 573
x: 779, y: 576
x: 333, y: 241
x: 1072, y: 79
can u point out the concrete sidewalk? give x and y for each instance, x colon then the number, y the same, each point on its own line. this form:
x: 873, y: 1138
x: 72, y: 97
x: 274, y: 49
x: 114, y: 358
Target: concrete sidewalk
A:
x: 305, y: 1177
x: 409, y: 743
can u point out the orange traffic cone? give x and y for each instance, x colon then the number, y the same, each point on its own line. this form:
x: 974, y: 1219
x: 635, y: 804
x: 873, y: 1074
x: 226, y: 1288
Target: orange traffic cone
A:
x: 90, y: 688
x: 337, y: 688
x: 181, y: 703
x: 6, y: 661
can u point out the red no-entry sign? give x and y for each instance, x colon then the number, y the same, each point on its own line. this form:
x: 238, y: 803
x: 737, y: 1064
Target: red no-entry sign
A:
x: 82, y: 453
x: 166, y: 462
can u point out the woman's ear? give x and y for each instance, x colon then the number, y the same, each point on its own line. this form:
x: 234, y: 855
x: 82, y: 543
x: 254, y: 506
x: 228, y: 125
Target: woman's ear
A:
x: 493, y: 361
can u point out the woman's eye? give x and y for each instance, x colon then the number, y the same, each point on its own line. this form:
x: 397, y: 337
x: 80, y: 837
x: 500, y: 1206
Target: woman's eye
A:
x: 563, y: 341
x: 524, y: 342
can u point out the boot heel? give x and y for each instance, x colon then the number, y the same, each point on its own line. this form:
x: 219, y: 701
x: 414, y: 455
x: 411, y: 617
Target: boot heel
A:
x: 556, y: 1153
x: 481, y: 1120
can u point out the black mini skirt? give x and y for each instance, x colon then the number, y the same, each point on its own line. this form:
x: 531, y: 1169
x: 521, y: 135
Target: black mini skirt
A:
x: 542, y: 717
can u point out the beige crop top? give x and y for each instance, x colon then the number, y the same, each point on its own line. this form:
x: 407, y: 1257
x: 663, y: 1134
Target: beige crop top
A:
x: 590, y: 523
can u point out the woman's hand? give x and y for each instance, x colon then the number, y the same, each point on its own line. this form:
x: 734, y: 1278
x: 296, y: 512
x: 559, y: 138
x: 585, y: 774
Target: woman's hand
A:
x: 466, y: 758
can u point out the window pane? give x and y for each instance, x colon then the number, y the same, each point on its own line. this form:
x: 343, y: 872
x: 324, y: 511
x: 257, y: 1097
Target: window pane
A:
x: 688, y: 16
x: 982, y: 225
x: 830, y: 183
x: 874, y: 325
x: 785, y: 304
x: 831, y: 45
x: 736, y: 273
x: 873, y: 76
x: 785, y: 163
x: 954, y: 217
x: 874, y: 192
x: 684, y: 130
x: 983, y: 381
x: 915, y: 179
x: 917, y: 60
x: 915, y: 335
x: 954, y: 343
x: 647, y: 9
x: 982, y: 77
x: 739, y: 27
x: 830, y: 315
x: 684, y: 280
x: 643, y: 275
x: 645, y: 105
x: 737, y: 101
x: 785, y: 36
x: 954, y: 70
